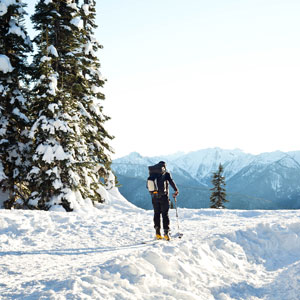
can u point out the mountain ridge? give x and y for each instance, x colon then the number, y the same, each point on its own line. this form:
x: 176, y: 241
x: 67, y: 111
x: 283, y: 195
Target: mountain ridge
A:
x: 270, y: 180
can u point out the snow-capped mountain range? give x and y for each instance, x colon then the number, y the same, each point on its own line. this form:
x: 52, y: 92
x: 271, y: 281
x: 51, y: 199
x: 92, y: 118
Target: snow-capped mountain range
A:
x: 264, y: 181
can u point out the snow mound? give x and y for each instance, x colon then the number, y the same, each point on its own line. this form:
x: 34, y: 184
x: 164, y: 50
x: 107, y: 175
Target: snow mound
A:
x: 115, y: 200
x: 273, y: 245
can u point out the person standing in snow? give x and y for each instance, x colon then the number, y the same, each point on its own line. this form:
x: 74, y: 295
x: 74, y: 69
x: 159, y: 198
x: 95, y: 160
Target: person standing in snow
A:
x: 158, y: 186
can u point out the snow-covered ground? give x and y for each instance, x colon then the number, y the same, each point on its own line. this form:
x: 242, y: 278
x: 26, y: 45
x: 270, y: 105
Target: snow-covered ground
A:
x: 99, y: 254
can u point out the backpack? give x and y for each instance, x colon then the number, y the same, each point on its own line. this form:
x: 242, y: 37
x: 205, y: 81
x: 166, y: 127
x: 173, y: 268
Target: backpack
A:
x: 156, y: 183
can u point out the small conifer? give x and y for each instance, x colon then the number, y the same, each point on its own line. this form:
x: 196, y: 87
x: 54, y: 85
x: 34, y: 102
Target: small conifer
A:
x: 218, y: 195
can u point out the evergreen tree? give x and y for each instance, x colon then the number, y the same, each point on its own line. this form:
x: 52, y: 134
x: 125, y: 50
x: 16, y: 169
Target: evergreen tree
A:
x: 14, y: 48
x: 218, y: 195
x: 63, y: 171
x: 90, y: 100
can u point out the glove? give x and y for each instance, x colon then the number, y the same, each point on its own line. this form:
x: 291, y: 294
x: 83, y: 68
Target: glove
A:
x: 175, y: 194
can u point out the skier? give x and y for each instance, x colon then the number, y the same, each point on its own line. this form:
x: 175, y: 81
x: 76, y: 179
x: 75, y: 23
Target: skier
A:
x: 160, y: 197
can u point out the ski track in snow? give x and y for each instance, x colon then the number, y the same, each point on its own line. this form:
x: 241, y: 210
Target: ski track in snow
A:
x: 223, y: 255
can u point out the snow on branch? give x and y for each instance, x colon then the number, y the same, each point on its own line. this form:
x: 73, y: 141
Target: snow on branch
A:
x: 17, y: 112
x: 77, y: 21
x: 52, y: 50
x: 53, y: 85
x: 4, y: 6
x: 50, y: 153
x: 14, y: 28
x: 2, y: 175
x: 5, y: 65
x: 86, y: 9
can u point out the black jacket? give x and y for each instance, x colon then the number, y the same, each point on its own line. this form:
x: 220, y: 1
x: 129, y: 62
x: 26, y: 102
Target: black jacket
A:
x: 168, y: 179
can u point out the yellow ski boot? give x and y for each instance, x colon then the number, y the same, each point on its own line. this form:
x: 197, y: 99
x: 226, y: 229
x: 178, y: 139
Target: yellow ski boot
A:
x: 166, y: 236
x: 158, y: 235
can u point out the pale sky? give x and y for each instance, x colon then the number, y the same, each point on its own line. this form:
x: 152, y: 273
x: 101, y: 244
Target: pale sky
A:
x: 193, y: 74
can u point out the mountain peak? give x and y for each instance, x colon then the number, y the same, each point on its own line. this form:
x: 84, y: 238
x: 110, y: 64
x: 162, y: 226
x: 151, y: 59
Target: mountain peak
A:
x: 134, y: 155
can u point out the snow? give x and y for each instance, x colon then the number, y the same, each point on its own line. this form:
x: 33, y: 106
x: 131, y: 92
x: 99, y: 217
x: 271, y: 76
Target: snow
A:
x: 4, y: 6
x: 86, y: 9
x: 5, y: 65
x: 95, y: 89
x: 88, y: 49
x: 3, y: 9
x: 14, y: 28
x: 35, y: 170
x: 52, y: 50
x: 84, y: 111
x: 204, y: 162
x: 53, y: 85
x: 17, y: 112
x: 50, y: 124
x: 2, y: 175
x: 45, y: 58
x: 72, y: 4
x: 95, y: 107
x: 98, y: 254
x: 77, y: 21
x: 51, y: 152
x: 52, y: 107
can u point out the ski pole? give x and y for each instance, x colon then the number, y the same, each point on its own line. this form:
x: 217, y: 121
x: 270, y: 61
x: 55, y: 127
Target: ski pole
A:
x: 176, y: 212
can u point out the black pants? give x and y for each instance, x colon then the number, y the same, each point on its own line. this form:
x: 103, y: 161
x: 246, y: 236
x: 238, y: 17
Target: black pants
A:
x: 161, y: 207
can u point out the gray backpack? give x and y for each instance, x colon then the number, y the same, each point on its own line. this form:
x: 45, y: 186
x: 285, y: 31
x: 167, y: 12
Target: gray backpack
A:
x: 156, y: 183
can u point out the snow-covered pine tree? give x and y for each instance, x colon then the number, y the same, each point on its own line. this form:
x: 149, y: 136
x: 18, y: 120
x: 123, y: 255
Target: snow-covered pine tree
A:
x: 218, y: 195
x: 60, y: 173
x: 90, y: 99
x: 15, y: 45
